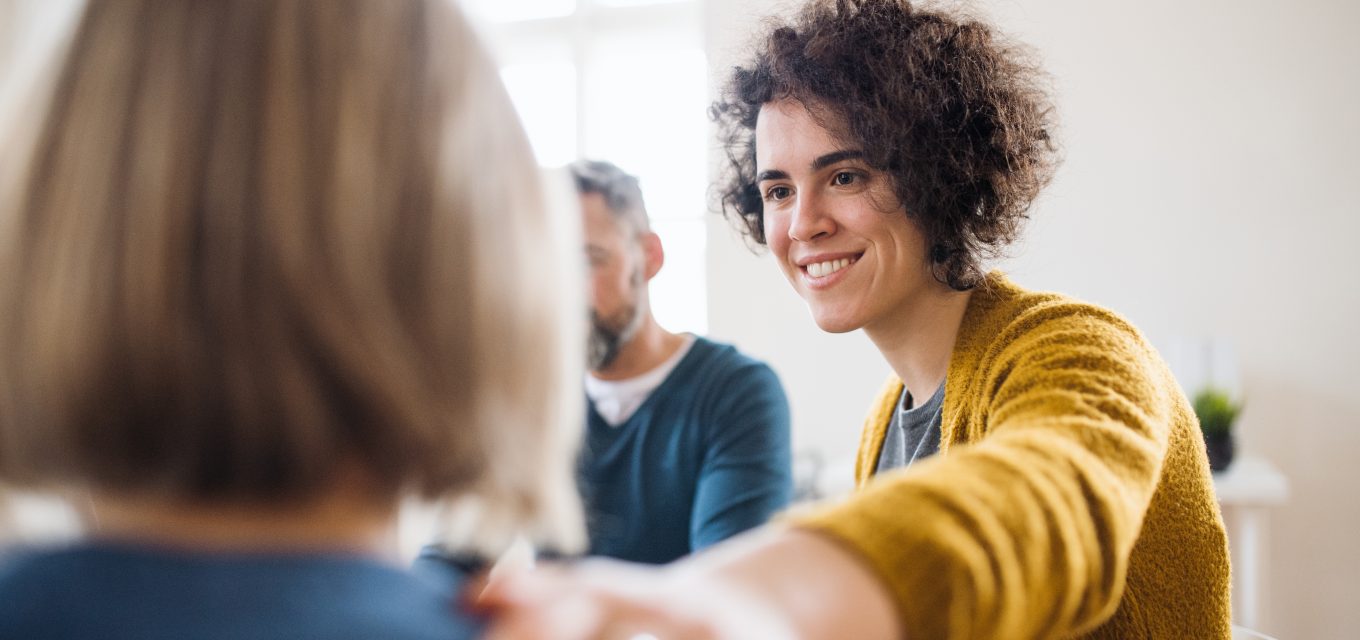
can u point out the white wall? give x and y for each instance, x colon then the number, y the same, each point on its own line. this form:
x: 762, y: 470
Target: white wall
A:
x: 1210, y: 188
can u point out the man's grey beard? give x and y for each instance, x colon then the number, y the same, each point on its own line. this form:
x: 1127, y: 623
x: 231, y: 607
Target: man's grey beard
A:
x: 608, y: 335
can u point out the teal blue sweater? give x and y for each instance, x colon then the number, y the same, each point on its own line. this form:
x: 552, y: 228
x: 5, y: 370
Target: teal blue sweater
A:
x: 705, y: 457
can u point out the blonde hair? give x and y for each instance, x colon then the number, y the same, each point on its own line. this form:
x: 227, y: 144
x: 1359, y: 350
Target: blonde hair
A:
x: 256, y: 239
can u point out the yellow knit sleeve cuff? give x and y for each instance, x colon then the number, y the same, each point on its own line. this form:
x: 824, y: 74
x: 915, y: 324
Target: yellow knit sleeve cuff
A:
x: 900, y: 557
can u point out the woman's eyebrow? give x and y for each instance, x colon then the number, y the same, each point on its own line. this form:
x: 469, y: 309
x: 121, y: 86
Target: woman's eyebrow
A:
x: 820, y: 163
x: 771, y: 174
x: 829, y: 159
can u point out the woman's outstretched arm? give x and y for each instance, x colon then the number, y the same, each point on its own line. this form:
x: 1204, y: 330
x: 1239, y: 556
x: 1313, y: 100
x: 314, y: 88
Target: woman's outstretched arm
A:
x: 773, y: 583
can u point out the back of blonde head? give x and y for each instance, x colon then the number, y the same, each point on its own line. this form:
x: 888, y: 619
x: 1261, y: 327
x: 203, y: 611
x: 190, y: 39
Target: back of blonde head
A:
x: 253, y: 241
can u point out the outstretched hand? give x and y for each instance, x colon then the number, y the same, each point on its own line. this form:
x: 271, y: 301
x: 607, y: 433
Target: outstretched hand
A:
x: 774, y: 584
x: 607, y: 600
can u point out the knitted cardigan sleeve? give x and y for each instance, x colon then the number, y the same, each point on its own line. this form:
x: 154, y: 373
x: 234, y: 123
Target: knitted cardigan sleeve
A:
x: 1026, y: 530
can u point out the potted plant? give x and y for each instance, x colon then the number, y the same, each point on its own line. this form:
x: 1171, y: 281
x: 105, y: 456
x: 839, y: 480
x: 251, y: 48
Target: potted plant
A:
x: 1217, y: 412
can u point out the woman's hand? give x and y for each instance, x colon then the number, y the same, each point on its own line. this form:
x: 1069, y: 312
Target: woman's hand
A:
x: 607, y: 600
x: 771, y: 585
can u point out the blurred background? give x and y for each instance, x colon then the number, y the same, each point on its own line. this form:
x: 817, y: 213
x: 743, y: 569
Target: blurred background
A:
x: 1210, y: 192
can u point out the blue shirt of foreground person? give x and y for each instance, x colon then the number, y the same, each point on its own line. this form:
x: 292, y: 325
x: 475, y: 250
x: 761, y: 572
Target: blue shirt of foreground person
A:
x: 119, y: 591
x: 687, y: 440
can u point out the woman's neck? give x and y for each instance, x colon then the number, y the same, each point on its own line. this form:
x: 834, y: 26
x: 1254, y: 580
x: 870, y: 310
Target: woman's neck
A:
x: 918, y: 339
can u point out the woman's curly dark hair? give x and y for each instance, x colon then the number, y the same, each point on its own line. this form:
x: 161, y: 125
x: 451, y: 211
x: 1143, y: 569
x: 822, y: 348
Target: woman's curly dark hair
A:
x: 956, y: 116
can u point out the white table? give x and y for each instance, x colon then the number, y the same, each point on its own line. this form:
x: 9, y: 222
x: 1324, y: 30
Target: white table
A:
x: 1246, y: 491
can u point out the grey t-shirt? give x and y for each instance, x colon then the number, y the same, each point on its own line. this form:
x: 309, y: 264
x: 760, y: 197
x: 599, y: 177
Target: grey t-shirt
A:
x: 914, y: 432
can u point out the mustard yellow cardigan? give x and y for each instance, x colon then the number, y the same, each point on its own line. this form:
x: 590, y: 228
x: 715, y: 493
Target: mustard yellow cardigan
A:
x: 1071, y: 497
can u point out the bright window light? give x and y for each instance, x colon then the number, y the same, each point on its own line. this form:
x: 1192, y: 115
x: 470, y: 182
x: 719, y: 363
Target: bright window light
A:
x: 544, y: 94
x: 631, y: 3
x: 627, y: 85
x: 679, y: 299
x: 644, y: 110
x: 519, y: 10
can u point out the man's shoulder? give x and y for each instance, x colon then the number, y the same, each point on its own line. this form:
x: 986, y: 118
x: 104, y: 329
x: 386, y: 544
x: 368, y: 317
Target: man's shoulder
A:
x: 723, y: 371
x: 721, y: 355
x: 722, y: 364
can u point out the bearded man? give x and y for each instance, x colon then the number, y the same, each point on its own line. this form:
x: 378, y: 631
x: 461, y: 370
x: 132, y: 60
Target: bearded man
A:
x: 687, y: 440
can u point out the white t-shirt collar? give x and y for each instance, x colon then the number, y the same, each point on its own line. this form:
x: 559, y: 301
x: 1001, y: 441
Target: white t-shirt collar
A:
x: 617, y: 400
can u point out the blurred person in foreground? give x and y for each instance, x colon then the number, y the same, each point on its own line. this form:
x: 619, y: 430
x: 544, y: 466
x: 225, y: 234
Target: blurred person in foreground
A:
x: 271, y: 266
x: 687, y: 440
x: 1030, y: 470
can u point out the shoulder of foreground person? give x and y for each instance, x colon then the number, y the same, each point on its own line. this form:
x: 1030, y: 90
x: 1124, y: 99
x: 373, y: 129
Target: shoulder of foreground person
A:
x: 128, y: 593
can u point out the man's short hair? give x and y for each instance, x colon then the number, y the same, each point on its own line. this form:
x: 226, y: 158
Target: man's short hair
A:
x: 618, y: 187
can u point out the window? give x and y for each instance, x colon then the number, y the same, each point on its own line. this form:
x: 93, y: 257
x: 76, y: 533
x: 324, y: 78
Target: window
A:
x: 623, y: 81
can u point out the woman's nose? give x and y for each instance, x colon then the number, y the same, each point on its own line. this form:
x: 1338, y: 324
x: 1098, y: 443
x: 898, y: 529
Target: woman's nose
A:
x: 810, y: 220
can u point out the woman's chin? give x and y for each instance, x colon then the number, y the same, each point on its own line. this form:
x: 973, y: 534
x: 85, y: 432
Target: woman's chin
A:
x: 835, y: 322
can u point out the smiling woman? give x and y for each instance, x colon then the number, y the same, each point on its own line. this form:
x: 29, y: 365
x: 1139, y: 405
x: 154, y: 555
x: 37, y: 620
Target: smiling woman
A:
x: 955, y: 113
x: 833, y: 223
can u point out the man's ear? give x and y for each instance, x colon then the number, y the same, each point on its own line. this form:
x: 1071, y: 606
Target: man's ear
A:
x: 652, y: 254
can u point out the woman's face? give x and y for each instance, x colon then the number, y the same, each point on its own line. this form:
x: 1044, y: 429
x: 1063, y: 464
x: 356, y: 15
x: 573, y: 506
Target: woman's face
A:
x: 835, y: 225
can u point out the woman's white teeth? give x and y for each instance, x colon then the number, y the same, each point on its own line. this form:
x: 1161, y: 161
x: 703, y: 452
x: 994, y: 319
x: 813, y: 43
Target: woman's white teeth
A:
x: 822, y: 269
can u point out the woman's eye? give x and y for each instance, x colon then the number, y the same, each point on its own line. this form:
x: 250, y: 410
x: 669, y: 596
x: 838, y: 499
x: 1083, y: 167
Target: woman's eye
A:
x: 777, y: 193
x: 845, y: 178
